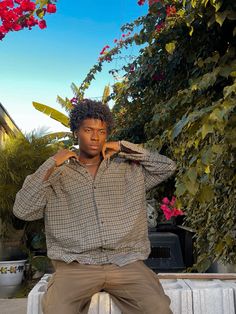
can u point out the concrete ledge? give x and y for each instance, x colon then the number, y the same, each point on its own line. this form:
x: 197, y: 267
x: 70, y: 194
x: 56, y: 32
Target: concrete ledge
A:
x: 13, y: 306
x: 196, y: 294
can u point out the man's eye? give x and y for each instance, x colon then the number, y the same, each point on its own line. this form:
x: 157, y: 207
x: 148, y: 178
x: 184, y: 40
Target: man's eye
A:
x: 102, y: 132
x: 87, y: 130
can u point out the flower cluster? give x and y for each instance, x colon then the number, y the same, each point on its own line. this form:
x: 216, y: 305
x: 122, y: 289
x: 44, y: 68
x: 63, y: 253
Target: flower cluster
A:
x: 74, y: 101
x: 170, y: 10
x: 18, y: 14
x: 122, y: 36
x: 103, y: 51
x: 141, y: 2
x: 168, y: 208
x: 160, y: 26
x: 151, y: 2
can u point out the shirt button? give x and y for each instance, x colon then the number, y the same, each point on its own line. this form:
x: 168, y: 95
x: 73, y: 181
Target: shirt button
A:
x: 94, y: 187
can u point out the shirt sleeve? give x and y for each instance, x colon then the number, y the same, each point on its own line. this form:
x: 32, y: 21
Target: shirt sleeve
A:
x: 156, y: 167
x: 31, y: 200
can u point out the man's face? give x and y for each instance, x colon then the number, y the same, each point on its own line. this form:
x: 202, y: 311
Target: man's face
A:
x: 92, y: 135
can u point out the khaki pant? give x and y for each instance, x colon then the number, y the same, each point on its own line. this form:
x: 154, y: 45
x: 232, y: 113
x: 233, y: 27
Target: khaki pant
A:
x: 134, y: 288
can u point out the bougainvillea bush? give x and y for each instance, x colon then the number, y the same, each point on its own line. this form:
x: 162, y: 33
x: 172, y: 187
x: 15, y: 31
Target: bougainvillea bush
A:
x: 179, y: 97
x: 16, y: 15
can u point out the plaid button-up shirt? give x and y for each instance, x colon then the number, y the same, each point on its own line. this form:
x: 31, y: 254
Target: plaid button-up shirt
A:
x: 95, y: 220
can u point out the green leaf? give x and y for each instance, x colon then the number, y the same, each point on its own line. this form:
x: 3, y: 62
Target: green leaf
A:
x: 220, y: 17
x: 234, y: 31
x: 77, y: 90
x: 43, y: 3
x: 217, y: 149
x: 207, y: 128
x: 228, y: 90
x: 52, y: 113
x: 57, y: 135
x: 217, y: 115
x: 216, y: 4
x: 179, y: 126
x: 40, y: 13
x: 170, y: 47
x: 207, y: 156
x: 206, y: 194
x: 180, y: 189
x: 191, y: 30
x: 192, y: 187
x: 192, y: 174
x: 65, y: 103
x: 203, y: 265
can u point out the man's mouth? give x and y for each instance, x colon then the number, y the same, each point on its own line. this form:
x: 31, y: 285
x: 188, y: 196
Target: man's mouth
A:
x: 94, y: 146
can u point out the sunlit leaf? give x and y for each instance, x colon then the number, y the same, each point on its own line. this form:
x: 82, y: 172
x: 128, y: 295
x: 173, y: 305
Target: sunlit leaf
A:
x: 52, y: 113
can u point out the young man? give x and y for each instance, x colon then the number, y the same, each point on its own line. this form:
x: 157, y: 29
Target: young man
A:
x: 95, y: 217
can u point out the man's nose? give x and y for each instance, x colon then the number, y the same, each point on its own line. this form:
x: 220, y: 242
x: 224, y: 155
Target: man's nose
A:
x: 95, y: 136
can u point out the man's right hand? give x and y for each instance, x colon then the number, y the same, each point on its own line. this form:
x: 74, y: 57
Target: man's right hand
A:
x: 63, y: 155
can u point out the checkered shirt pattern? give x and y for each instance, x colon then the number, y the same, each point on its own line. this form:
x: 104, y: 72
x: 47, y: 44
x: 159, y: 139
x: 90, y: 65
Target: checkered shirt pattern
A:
x: 97, y: 220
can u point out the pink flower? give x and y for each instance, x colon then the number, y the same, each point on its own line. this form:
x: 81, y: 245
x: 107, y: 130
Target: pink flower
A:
x: 168, y: 215
x: 170, y: 10
x: 177, y: 212
x: 141, y: 2
x: 172, y: 202
x: 9, y: 3
x: 159, y: 27
x: 164, y: 207
x: 26, y: 5
x: 31, y: 21
x: 131, y: 69
x: 151, y: 2
x: 103, y: 51
x: 167, y: 212
x: 170, y: 211
x: 42, y: 24
x: 74, y: 101
x: 16, y: 27
x: 165, y: 200
x: 51, y: 8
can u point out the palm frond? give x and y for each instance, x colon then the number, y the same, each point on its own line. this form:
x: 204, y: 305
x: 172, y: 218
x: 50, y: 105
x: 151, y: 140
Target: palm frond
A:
x: 65, y: 103
x: 106, y: 94
x: 77, y: 92
x: 57, y: 135
x: 52, y: 113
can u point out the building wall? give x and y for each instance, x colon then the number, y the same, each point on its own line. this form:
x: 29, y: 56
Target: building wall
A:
x: 7, y: 126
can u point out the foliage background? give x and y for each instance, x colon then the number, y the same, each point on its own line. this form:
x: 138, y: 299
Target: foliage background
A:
x: 21, y: 156
x: 179, y: 97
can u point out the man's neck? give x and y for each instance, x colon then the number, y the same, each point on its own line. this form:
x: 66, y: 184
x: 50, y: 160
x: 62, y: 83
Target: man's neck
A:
x: 85, y: 159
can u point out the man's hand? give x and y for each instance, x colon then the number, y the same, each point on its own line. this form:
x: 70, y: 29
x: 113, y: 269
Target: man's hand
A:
x: 110, y: 148
x: 64, y: 155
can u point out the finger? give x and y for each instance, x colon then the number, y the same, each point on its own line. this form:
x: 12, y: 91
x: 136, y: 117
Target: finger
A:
x: 104, y: 151
x: 73, y: 155
x: 109, y: 154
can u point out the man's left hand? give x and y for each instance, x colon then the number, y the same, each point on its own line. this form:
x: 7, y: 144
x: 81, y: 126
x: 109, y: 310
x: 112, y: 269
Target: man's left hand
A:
x: 110, y: 148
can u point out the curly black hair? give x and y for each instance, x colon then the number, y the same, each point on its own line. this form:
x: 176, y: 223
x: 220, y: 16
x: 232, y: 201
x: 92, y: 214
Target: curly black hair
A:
x: 90, y: 109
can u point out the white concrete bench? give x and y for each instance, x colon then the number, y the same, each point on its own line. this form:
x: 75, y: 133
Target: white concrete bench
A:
x: 188, y: 296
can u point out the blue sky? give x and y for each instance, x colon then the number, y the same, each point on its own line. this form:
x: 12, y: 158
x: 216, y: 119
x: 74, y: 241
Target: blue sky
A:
x: 38, y: 65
